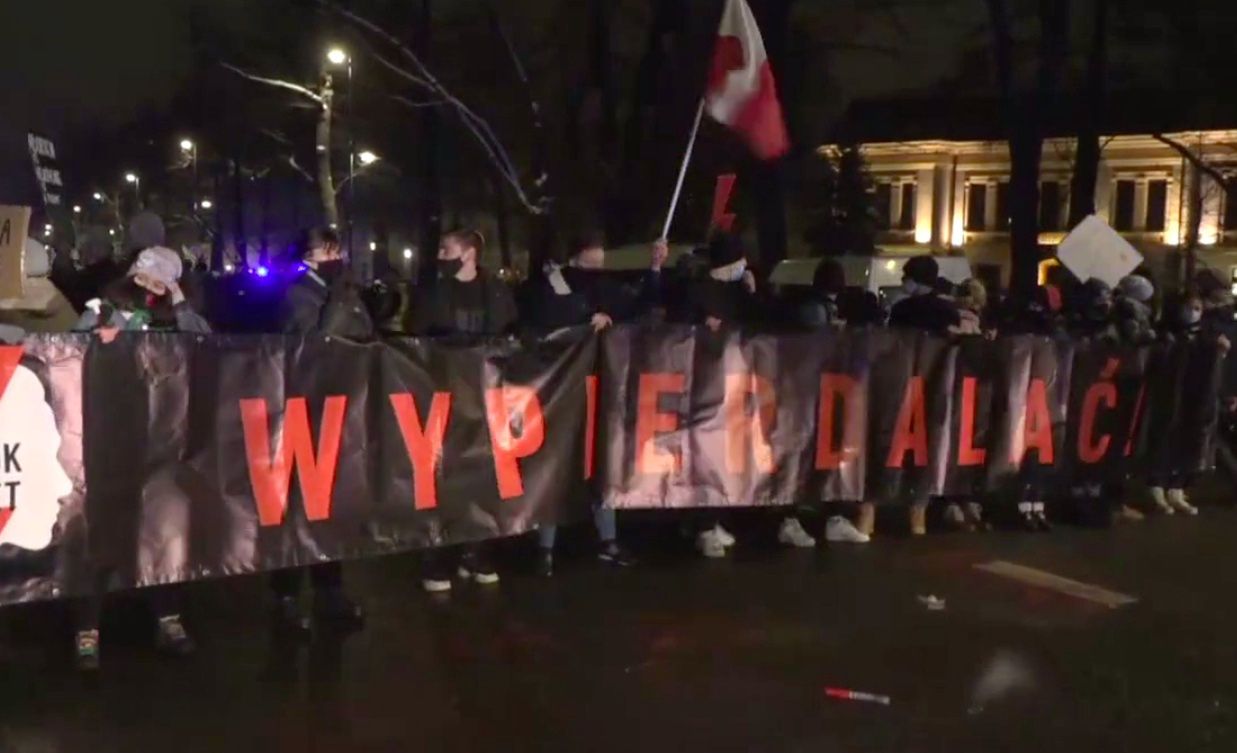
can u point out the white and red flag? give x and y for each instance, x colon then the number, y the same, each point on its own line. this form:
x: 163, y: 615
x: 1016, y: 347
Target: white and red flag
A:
x: 741, y: 92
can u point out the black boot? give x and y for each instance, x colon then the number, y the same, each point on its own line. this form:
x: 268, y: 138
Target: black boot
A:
x: 614, y: 555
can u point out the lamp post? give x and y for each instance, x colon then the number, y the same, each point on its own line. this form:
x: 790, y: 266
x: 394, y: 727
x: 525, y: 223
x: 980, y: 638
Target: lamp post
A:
x: 136, y: 180
x: 190, y: 150
x: 338, y: 56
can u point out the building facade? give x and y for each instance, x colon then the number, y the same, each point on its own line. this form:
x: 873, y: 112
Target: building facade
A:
x: 950, y: 196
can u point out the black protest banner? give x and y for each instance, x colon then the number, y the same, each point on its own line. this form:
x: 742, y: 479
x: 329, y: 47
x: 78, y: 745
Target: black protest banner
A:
x: 165, y: 458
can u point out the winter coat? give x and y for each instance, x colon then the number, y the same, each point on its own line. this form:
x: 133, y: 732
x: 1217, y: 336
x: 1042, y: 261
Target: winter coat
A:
x: 443, y: 309
x: 313, y: 307
x: 583, y: 293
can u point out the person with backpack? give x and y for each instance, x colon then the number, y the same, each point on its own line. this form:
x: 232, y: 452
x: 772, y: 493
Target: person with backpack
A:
x: 465, y: 301
x: 322, y: 301
x: 147, y: 299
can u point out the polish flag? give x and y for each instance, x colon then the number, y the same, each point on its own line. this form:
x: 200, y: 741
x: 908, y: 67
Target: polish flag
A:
x: 741, y: 93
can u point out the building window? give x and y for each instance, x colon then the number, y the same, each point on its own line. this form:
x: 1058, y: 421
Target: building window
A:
x: 1123, y: 208
x: 976, y: 206
x: 1230, y: 213
x: 907, y: 219
x: 1049, y: 206
x: 1157, y: 205
x: 882, y: 203
x: 1002, y: 207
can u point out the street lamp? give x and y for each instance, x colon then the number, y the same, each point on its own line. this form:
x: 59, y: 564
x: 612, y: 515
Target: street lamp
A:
x: 408, y: 254
x: 367, y: 158
x: 97, y: 196
x: 77, y: 209
x: 186, y: 145
x: 336, y: 56
x: 206, y: 203
x: 131, y: 178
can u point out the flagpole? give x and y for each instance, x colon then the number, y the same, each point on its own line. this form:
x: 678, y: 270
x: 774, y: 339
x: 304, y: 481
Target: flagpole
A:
x: 678, y: 186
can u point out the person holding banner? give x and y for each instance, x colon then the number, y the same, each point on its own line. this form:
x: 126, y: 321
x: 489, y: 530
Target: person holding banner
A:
x: 466, y: 300
x: 582, y: 293
x: 148, y: 299
x: 727, y: 297
x: 320, y: 302
x: 923, y: 308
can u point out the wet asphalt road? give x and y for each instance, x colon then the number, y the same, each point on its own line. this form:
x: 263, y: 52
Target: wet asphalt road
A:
x: 683, y: 655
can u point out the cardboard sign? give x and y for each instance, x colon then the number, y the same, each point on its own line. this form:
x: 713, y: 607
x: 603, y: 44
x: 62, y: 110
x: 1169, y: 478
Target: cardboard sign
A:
x: 13, y: 224
x: 1095, y: 250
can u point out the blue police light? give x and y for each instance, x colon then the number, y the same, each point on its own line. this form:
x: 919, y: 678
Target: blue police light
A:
x: 263, y: 272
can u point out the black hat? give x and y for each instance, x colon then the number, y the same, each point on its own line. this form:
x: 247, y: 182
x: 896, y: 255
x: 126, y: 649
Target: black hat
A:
x: 724, y: 249
x: 922, y: 269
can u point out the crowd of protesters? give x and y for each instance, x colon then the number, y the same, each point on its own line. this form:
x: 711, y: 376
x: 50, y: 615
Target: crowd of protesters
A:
x: 713, y: 287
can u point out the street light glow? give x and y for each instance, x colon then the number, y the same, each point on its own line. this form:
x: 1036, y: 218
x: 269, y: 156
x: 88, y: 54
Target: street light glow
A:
x: 336, y: 56
x: 367, y: 157
x: 77, y: 209
x: 408, y: 254
x: 186, y: 145
x: 97, y: 196
x: 206, y: 203
x: 130, y: 177
x: 373, y: 246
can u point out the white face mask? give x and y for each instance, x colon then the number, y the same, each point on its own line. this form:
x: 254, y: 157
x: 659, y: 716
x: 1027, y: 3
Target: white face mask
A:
x: 1191, y: 315
x: 731, y: 272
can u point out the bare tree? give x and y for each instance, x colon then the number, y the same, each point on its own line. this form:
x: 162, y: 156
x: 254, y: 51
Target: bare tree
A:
x: 323, y: 97
x: 1223, y: 180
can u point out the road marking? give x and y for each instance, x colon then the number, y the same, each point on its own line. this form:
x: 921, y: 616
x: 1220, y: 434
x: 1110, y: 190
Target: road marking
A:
x: 1044, y: 579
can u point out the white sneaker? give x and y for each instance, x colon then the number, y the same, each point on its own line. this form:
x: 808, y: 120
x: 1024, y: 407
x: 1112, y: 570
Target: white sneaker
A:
x: 435, y: 586
x: 1160, y: 502
x: 792, y: 534
x: 841, y: 530
x: 723, y: 535
x: 1180, y: 503
x: 710, y: 545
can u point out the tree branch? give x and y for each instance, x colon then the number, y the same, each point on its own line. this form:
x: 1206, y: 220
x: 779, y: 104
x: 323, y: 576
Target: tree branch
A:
x: 1196, y: 161
x: 417, y: 105
x: 301, y: 90
x: 421, y: 76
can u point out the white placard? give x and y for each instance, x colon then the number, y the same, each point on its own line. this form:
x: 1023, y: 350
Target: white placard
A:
x: 1095, y: 250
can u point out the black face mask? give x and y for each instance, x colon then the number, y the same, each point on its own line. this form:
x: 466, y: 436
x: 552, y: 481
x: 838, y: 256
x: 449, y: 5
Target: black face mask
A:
x: 330, y: 271
x: 449, y: 268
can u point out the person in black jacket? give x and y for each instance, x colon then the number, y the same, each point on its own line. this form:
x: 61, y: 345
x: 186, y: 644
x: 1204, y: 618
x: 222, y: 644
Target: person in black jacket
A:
x: 318, y: 303
x: 579, y: 293
x: 582, y: 292
x: 466, y: 300
x: 922, y: 307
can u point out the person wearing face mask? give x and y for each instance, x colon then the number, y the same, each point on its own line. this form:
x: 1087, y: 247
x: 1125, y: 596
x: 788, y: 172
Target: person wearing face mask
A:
x: 583, y: 293
x: 727, y: 296
x: 1198, y: 344
x: 1134, y: 316
x: 321, y: 301
x: 466, y: 301
x: 148, y: 299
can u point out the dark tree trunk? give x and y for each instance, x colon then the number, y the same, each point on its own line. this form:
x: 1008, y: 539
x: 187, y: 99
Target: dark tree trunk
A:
x: 502, y: 218
x: 238, y: 213
x: 1087, y: 155
x: 430, y: 193
x: 632, y: 203
x: 1024, y: 129
x: 216, y: 246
